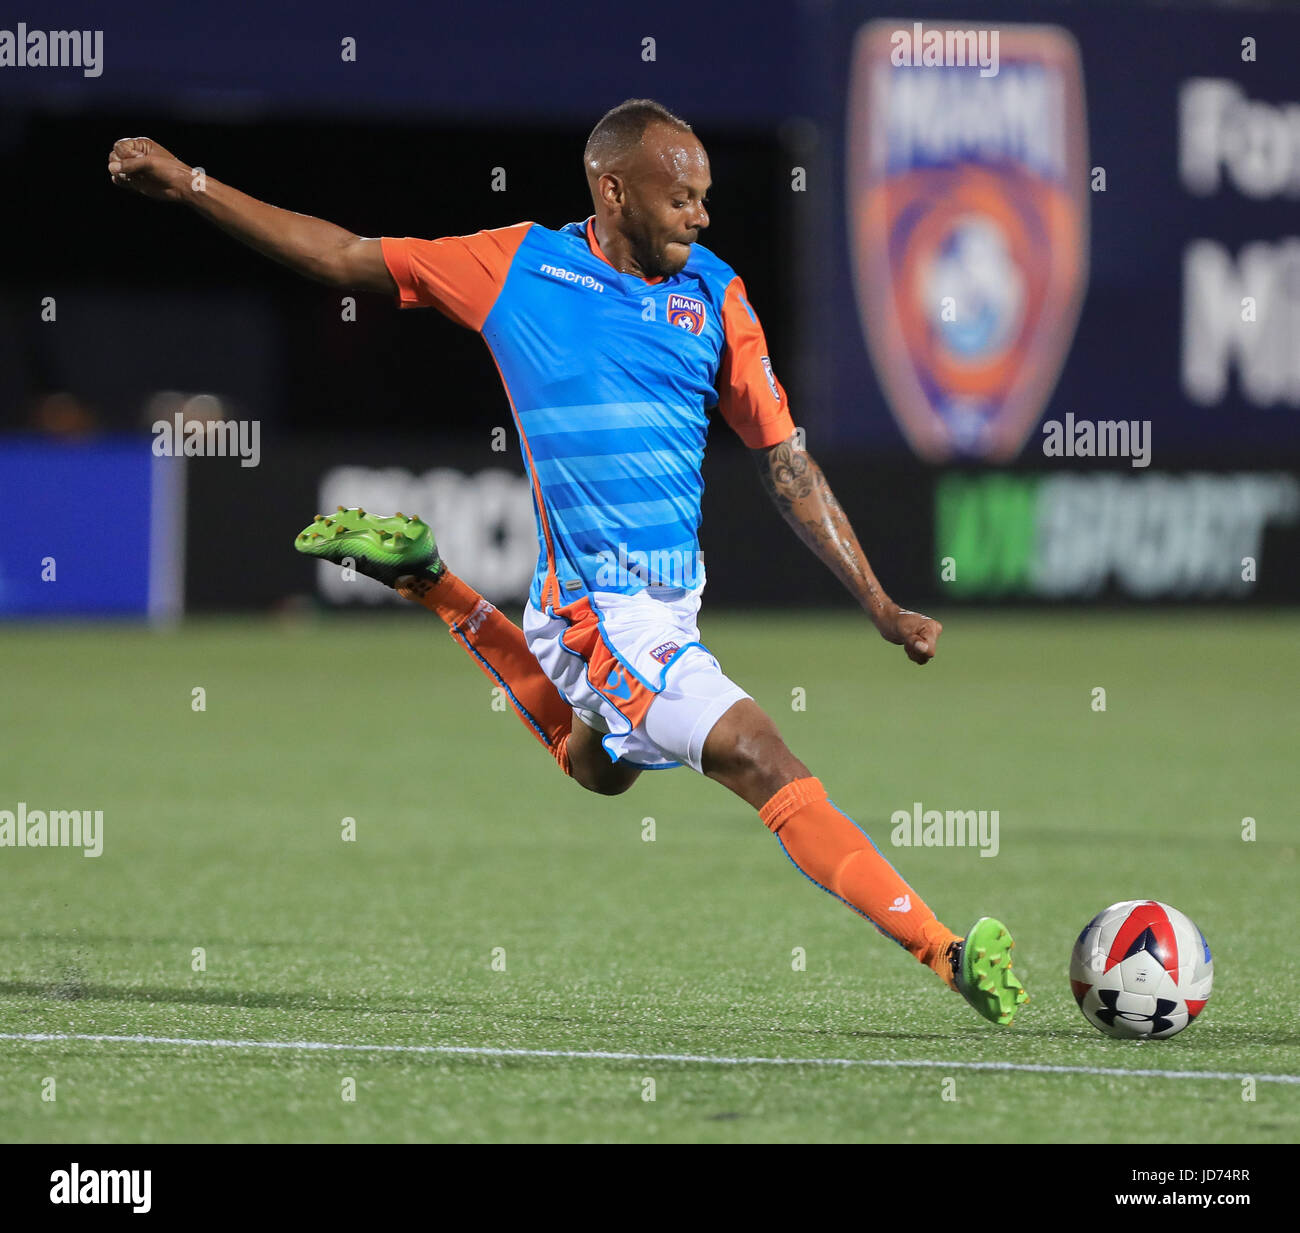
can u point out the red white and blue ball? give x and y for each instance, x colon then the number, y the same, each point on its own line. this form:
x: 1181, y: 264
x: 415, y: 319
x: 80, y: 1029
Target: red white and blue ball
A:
x: 1141, y: 969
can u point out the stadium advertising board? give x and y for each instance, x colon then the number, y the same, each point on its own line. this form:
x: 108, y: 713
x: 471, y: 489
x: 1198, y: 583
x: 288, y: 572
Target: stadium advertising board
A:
x: 976, y: 203
x: 968, y: 205
x: 129, y: 566
x: 935, y: 537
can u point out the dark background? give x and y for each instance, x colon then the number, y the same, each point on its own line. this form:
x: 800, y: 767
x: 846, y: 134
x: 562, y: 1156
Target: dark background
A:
x: 192, y: 308
x: 405, y: 142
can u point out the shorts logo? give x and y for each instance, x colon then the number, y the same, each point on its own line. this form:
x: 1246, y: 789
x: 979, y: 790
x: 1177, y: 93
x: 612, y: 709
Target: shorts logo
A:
x: 968, y: 217
x: 686, y: 313
x: 771, y: 377
x: 664, y: 652
x: 616, y: 683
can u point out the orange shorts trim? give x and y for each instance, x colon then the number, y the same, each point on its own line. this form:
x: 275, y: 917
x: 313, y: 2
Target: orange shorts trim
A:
x: 608, y: 675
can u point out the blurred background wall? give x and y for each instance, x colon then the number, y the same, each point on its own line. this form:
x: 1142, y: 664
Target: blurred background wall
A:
x: 963, y: 271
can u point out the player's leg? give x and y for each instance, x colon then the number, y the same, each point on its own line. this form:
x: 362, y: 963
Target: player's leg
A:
x: 745, y: 752
x: 590, y: 764
x: 400, y: 552
x: 500, y: 648
x: 497, y: 645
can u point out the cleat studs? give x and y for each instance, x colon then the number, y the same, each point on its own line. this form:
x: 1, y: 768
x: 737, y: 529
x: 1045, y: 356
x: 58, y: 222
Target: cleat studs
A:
x: 319, y: 518
x: 980, y: 953
x: 360, y: 512
x: 399, y: 540
x: 399, y: 514
x: 1002, y: 933
x: 342, y: 509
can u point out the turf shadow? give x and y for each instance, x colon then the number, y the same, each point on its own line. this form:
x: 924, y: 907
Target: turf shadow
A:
x: 83, y: 940
x: 69, y: 988
x: 1195, y: 1044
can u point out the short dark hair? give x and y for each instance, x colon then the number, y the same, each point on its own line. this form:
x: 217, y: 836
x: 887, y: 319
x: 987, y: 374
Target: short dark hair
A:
x: 621, y: 127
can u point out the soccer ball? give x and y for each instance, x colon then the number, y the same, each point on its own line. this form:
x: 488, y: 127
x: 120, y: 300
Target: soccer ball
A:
x: 1140, y: 969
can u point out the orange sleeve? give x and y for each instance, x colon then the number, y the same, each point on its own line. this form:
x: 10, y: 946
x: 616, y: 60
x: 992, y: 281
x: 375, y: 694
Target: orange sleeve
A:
x: 461, y: 275
x: 750, y: 397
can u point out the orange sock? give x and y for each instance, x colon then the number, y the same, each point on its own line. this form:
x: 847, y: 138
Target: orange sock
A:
x: 828, y: 847
x: 499, y: 648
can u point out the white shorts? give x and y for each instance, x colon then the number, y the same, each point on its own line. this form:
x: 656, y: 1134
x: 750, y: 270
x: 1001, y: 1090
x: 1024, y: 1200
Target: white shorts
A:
x: 633, y: 667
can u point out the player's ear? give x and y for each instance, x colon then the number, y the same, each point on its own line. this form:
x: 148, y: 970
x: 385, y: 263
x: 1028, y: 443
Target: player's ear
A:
x: 611, y: 190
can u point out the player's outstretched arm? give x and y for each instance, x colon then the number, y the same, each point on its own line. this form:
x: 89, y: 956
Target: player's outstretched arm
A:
x: 311, y: 246
x: 796, y: 483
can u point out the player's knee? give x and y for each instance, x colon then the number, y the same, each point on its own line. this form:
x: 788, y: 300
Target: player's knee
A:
x: 745, y: 752
x: 607, y: 780
x: 734, y: 755
x: 605, y: 786
x: 743, y: 748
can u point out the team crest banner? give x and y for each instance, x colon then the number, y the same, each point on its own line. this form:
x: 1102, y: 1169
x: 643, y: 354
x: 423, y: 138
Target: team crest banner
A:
x: 968, y: 217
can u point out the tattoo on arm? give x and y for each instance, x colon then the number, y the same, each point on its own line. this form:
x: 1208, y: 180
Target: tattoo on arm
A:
x: 796, y: 484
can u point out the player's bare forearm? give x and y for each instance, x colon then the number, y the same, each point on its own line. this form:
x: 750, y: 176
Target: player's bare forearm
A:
x: 799, y: 489
x: 312, y: 247
x: 309, y: 246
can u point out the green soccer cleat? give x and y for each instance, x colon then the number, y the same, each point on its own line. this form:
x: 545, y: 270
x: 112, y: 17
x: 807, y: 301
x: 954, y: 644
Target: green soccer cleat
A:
x: 383, y: 548
x: 981, y: 968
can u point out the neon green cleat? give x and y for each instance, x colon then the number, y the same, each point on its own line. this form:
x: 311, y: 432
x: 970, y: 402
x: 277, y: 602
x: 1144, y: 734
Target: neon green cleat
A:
x: 982, y: 971
x: 381, y: 547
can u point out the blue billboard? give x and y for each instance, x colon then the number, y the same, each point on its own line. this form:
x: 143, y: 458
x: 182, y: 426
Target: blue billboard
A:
x: 1038, y: 214
x: 95, y: 529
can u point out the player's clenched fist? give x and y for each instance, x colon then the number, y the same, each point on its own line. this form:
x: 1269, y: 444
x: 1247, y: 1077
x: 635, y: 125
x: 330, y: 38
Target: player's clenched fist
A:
x: 917, y: 633
x: 142, y: 164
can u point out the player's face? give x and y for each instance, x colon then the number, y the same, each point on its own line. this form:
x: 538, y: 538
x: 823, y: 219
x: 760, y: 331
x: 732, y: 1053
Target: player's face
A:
x: 664, y: 203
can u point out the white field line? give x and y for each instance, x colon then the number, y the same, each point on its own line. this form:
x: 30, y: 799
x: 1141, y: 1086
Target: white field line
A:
x: 601, y: 1055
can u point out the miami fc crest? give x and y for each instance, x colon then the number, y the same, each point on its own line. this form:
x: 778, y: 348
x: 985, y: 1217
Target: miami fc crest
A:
x: 968, y: 220
x: 686, y: 312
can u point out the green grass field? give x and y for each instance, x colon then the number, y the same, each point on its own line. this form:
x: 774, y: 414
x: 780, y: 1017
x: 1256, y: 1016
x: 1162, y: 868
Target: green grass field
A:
x: 223, y: 830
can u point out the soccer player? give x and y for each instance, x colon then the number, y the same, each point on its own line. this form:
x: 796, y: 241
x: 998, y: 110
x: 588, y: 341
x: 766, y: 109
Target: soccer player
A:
x: 614, y: 336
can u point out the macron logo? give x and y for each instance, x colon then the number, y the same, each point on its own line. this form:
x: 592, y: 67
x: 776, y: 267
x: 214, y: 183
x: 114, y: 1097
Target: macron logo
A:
x: 902, y: 904
x: 568, y: 276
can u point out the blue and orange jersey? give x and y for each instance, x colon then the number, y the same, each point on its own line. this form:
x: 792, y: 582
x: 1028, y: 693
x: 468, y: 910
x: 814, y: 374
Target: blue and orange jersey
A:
x: 610, y: 377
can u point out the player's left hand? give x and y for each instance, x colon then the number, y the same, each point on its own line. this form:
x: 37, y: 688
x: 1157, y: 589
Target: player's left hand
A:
x: 916, y: 633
